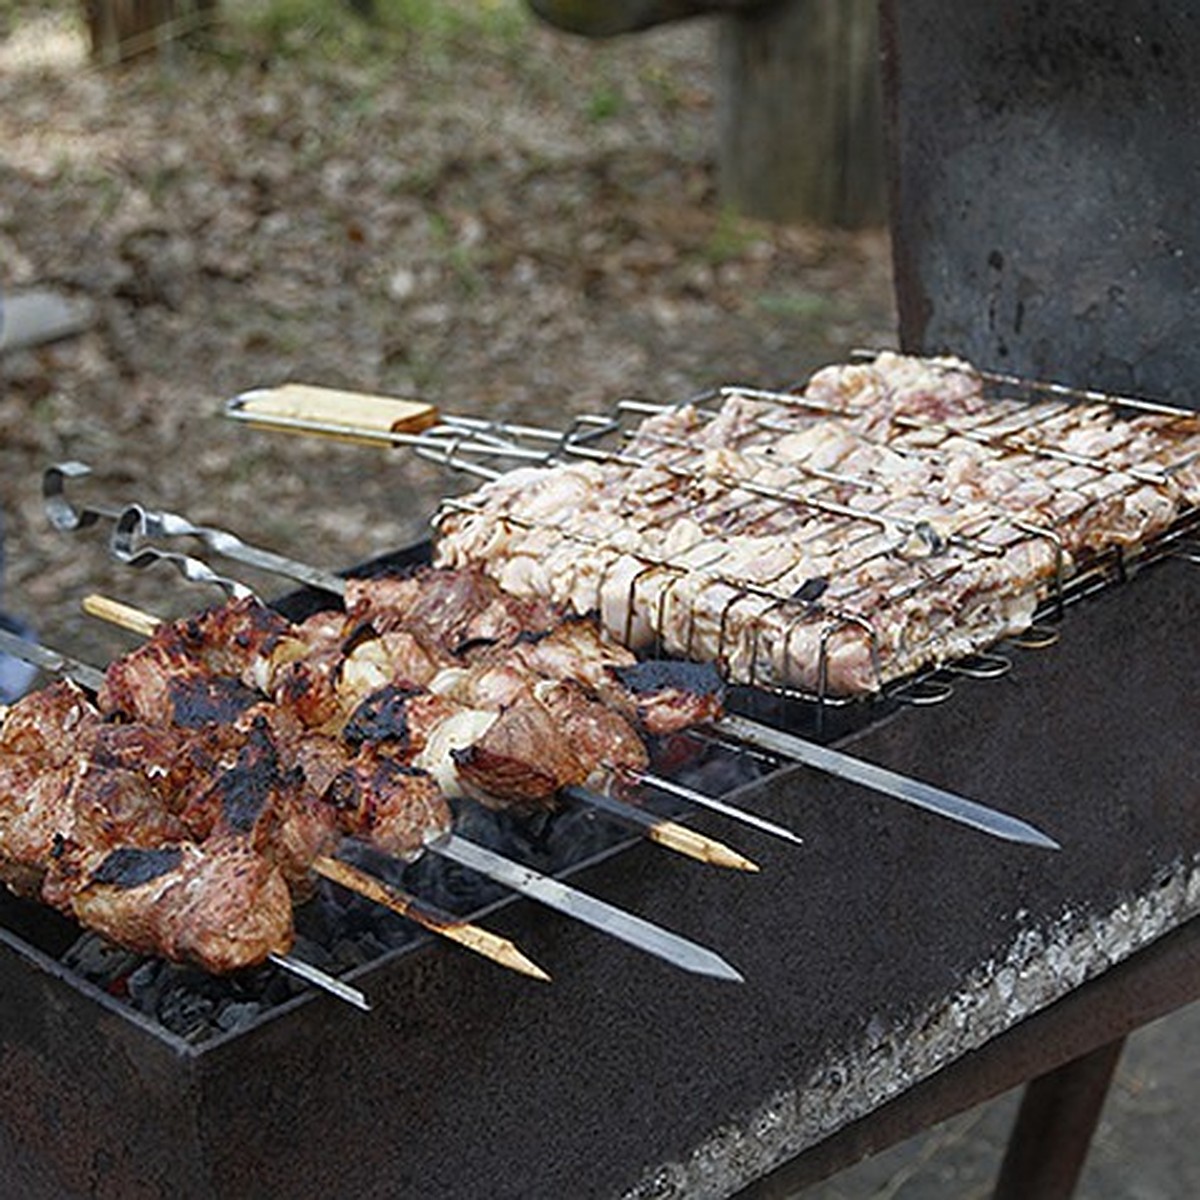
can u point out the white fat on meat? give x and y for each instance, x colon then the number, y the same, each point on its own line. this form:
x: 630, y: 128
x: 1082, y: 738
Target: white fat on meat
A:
x: 365, y: 670
x: 456, y: 732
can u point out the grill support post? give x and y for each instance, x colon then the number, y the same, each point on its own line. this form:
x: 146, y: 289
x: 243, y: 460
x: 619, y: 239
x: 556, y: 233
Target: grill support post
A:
x: 1053, y: 1131
x: 1043, y: 213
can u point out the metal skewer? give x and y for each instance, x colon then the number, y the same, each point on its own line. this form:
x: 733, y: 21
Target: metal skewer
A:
x: 584, y: 907
x: 661, y: 784
x: 667, y: 833
x: 890, y: 783
x: 319, y: 979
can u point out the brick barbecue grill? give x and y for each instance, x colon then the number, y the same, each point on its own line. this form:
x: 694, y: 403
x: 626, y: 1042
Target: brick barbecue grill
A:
x: 893, y: 955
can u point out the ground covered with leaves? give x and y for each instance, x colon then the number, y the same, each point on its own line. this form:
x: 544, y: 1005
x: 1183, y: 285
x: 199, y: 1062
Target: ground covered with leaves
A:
x: 453, y: 202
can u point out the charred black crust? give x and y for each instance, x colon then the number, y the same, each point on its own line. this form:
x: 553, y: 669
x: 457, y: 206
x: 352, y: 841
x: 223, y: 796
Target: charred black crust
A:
x: 132, y: 866
x: 381, y: 717
x: 811, y: 590
x: 199, y: 699
x: 531, y: 637
x: 475, y: 643
x: 245, y: 789
x: 666, y: 675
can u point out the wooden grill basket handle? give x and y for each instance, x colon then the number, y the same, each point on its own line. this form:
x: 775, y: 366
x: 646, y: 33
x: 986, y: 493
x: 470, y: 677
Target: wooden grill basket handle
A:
x: 344, y: 416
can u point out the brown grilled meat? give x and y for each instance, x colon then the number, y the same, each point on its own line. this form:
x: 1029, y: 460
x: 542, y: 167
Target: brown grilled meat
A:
x: 219, y: 906
x: 43, y: 808
x: 46, y: 722
x: 662, y: 696
x: 450, y: 609
x: 160, y: 685
x: 391, y: 805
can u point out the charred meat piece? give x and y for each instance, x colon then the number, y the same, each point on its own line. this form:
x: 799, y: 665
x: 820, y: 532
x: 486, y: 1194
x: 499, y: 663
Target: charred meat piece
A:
x: 601, y: 738
x: 668, y: 695
x: 267, y: 803
x: 662, y: 696
x: 36, y: 806
x: 599, y: 735
x: 324, y: 687
x: 227, y: 639
x: 219, y: 906
x: 45, y: 807
x: 157, y: 684
x: 389, y: 804
x: 522, y: 758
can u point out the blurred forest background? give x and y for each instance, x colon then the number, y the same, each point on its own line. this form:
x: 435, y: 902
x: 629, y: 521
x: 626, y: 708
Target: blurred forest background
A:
x: 449, y: 199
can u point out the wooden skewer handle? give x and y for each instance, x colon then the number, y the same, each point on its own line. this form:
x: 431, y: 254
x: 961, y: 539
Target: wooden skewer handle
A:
x: 125, y: 616
x: 330, y: 412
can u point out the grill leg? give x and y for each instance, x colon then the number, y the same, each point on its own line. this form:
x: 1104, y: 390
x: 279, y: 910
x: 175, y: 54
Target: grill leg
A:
x: 1054, y: 1128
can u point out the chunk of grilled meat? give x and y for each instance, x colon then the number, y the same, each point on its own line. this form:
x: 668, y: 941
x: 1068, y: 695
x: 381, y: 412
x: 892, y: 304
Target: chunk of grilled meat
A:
x: 518, y: 744
x: 325, y: 686
x: 219, y: 906
x: 450, y: 609
x: 46, y: 722
x: 661, y: 696
x: 392, y: 805
x: 43, y: 806
x: 160, y: 684
x: 600, y: 737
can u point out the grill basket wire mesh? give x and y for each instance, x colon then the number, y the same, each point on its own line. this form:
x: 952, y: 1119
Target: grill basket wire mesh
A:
x: 1024, y: 426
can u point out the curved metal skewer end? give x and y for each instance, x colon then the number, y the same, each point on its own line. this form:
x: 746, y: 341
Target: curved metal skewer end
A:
x: 126, y: 546
x: 61, y: 513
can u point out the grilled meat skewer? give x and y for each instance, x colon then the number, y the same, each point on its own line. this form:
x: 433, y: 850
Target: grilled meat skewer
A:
x: 102, y: 863
x: 520, y: 757
x: 581, y: 906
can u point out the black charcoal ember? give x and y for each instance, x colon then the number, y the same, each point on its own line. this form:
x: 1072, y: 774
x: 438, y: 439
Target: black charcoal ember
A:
x: 187, y: 1013
x: 313, y: 952
x: 237, y: 1014
x: 146, y: 985
x: 99, y: 961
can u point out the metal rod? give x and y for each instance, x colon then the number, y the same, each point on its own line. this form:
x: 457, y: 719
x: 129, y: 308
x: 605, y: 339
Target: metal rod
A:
x: 582, y: 906
x: 319, y: 979
x: 51, y: 661
x: 890, y: 783
x: 671, y: 788
x: 667, y: 833
x: 137, y: 523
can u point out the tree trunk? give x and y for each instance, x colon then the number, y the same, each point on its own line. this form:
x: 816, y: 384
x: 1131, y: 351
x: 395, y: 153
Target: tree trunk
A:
x: 800, y: 113
x: 122, y: 29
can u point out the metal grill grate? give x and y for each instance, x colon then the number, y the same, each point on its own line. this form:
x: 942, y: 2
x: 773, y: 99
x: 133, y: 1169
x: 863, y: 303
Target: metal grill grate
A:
x: 1111, y: 474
